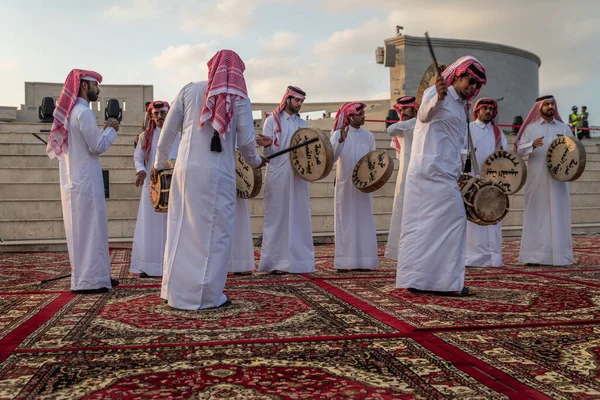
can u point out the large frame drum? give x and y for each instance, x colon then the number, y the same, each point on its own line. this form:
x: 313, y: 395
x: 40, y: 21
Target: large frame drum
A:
x: 506, y: 168
x: 486, y: 202
x: 566, y: 158
x: 372, y: 171
x: 313, y: 161
x: 248, y: 180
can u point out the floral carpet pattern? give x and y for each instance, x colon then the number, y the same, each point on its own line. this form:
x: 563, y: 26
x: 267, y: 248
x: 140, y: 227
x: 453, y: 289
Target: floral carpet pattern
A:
x: 528, y: 332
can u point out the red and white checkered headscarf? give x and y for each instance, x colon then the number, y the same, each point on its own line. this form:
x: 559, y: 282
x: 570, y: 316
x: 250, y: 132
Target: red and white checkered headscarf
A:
x: 59, y: 136
x: 488, y: 101
x: 147, y: 136
x: 404, y: 101
x: 342, y: 117
x: 291, y: 91
x: 469, y: 65
x: 225, y: 82
x: 534, y: 114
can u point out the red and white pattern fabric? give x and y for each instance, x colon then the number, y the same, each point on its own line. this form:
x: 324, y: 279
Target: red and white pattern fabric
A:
x: 489, y: 101
x: 404, y: 101
x: 59, y: 136
x: 469, y: 65
x: 225, y: 82
x: 292, y: 91
x: 148, y: 135
x: 534, y: 114
x: 344, y: 113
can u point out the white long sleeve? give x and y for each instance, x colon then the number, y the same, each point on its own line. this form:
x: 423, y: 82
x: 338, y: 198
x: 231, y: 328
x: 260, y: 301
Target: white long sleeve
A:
x: 268, y: 129
x: 97, y: 140
x: 169, y: 131
x: 138, y: 158
x: 246, y: 142
x: 337, y: 146
x: 400, y: 128
x: 429, y: 104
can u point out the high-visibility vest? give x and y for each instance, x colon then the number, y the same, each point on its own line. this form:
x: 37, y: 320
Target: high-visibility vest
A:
x: 574, y: 119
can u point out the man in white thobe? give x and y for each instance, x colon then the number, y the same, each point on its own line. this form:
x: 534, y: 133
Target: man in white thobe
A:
x: 151, y: 227
x: 78, y: 142
x: 484, y: 243
x: 242, y: 250
x: 287, y: 244
x: 215, y: 114
x: 402, y: 137
x: 355, y: 234
x: 431, y: 254
x: 546, y: 237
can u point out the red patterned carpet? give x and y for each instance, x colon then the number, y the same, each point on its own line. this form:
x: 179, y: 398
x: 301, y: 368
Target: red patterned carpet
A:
x: 529, y: 332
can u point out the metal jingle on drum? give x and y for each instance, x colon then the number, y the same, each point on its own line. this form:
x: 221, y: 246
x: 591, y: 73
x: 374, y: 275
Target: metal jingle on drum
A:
x: 372, y: 171
x: 566, y: 158
x: 506, y: 168
x: 248, y: 180
x: 313, y: 161
x: 159, y: 191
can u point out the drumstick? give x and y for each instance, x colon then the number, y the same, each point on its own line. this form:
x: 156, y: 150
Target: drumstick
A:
x: 39, y: 138
x: 292, y: 148
x: 437, y: 67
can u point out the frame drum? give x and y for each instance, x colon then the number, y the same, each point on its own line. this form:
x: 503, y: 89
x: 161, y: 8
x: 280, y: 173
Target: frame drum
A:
x: 506, y: 168
x: 372, y: 171
x: 313, y: 161
x: 248, y: 180
x: 566, y: 158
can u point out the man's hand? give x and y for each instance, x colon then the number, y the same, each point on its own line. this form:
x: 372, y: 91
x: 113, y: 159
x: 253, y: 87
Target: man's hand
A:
x: 263, y: 141
x: 538, y: 142
x: 343, y: 133
x: 112, y: 123
x: 139, y: 178
x: 154, y: 175
x: 441, y: 88
x: 264, y: 162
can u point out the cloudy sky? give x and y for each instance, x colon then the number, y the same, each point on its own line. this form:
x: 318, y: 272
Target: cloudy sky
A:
x: 327, y: 47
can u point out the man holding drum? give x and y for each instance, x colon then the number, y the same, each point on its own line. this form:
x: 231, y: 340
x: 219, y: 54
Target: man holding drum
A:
x: 355, y: 235
x: 484, y: 243
x: 151, y: 227
x: 287, y: 244
x: 431, y: 254
x: 215, y: 115
x: 546, y: 237
x: 402, y: 137
x: 78, y: 142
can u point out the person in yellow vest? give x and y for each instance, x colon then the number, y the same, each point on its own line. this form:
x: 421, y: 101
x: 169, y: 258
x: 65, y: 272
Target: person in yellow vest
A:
x: 574, y: 121
x: 584, y: 123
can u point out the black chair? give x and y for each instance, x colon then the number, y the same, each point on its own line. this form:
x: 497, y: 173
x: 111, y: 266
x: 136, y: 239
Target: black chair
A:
x: 46, y: 110
x: 113, y: 110
x: 392, y: 115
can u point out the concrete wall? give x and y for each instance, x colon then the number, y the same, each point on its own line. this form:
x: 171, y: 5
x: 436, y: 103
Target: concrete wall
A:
x: 512, y: 73
x: 8, y: 114
x: 133, y: 96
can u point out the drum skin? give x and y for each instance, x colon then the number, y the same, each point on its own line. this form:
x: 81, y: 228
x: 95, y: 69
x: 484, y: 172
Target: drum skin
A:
x: 248, y: 180
x: 486, y: 202
x: 506, y: 168
x: 372, y: 171
x: 314, y: 161
x: 566, y: 158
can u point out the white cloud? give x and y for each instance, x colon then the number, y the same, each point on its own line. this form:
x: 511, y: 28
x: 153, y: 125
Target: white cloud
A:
x: 182, y: 64
x: 134, y: 9
x: 280, y: 42
x: 224, y: 18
